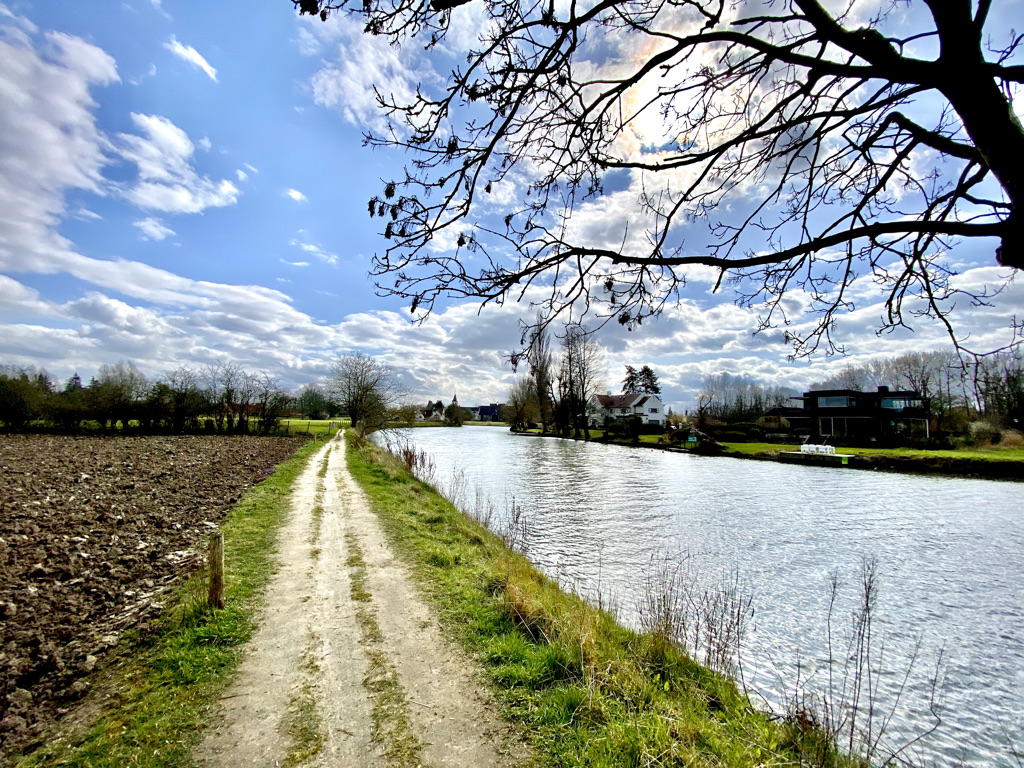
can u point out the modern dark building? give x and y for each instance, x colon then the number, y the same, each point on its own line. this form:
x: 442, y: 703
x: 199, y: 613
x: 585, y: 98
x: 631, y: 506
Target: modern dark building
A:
x: 490, y: 412
x: 852, y: 417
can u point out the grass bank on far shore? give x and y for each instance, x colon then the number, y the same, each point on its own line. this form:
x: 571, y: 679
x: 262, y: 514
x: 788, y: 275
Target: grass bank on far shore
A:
x: 157, y: 696
x: 990, y: 464
x: 976, y: 454
x: 583, y: 690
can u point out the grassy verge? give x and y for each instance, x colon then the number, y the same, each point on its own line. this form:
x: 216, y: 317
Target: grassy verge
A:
x: 161, y: 690
x: 584, y: 690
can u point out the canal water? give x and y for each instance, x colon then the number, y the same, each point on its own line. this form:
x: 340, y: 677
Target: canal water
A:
x: 949, y: 553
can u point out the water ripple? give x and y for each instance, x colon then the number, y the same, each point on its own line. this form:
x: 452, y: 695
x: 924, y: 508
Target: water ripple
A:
x: 950, y: 554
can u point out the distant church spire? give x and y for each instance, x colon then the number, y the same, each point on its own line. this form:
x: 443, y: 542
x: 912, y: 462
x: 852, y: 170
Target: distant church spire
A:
x: 455, y: 399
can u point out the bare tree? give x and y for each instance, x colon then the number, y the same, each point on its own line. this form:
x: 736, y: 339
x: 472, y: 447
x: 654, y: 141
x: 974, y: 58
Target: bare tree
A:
x: 366, y: 389
x: 270, y: 401
x: 180, y: 399
x: 851, y: 377
x: 521, y: 404
x: 843, y: 145
x: 541, y: 373
x: 582, y: 374
x: 118, y: 392
x: 224, y: 382
x: 737, y: 398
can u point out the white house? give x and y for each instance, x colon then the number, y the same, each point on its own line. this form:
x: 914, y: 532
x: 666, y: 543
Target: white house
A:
x: 614, y: 407
x: 433, y: 412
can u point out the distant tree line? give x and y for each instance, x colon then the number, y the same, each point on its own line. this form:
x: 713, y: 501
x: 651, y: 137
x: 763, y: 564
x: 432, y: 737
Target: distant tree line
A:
x: 733, y: 399
x: 556, y: 387
x: 221, y: 397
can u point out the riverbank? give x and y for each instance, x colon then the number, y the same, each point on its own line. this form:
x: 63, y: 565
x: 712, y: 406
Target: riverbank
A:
x: 581, y: 689
x: 990, y: 465
x: 985, y: 464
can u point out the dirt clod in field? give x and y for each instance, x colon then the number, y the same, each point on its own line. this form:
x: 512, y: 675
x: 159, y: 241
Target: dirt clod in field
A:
x: 93, y: 531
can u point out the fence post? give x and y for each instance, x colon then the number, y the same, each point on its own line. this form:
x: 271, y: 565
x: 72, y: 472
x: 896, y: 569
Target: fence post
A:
x: 217, y: 570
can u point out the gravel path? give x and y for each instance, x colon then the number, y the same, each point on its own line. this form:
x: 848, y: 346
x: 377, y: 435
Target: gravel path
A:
x: 349, y: 667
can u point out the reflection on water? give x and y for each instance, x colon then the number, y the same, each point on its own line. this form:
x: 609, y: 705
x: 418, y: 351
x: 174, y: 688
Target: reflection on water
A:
x: 950, y: 555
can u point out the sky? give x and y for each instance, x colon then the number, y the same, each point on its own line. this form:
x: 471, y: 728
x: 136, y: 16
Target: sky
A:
x: 185, y: 183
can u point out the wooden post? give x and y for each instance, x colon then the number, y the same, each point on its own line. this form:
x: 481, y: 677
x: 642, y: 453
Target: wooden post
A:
x: 217, y: 570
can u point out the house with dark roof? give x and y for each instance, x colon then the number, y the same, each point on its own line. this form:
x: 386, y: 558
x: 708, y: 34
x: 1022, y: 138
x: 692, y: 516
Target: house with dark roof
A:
x: 649, y: 408
x: 851, y: 416
x: 490, y: 412
x: 433, y: 412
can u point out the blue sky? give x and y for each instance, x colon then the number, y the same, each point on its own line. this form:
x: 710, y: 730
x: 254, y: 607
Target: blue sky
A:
x: 182, y: 183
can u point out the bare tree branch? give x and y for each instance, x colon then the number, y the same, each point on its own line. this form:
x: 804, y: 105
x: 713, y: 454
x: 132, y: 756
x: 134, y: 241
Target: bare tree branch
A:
x: 792, y: 150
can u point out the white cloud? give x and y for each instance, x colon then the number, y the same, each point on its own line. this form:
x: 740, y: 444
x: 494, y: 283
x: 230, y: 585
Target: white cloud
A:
x: 295, y: 195
x: 308, y: 43
x: 84, y: 214
x: 316, y: 250
x: 142, y: 78
x: 19, y: 299
x: 6, y: 14
x: 294, y: 263
x: 205, y: 144
x: 347, y: 83
x: 153, y: 229
x: 251, y: 168
x: 167, y: 181
x: 192, y: 56
x: 159, y: 8
x: 49, y: 141
x: 241, y: 175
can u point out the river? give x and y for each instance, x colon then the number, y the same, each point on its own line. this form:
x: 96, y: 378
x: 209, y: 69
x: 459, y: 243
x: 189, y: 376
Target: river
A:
x: 949, y: 553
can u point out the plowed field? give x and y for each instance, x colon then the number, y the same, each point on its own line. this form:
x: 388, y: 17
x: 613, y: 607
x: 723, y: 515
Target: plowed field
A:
x: 92, y: 533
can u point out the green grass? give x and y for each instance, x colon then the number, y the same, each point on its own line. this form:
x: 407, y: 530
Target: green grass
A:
x: 162, y: 689
x: 583, y: 690
x: 992, y: 454
x: 319, y: 427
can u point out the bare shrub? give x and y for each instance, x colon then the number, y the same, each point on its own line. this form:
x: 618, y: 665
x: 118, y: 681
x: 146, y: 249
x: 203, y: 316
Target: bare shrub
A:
x: 709, y: 623
x: 516, y: 531
x: 848, y: 707
x: 417, y: 461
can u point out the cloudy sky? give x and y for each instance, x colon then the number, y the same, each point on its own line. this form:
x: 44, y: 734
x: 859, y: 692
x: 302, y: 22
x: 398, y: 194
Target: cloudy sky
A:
x: 183, y: 183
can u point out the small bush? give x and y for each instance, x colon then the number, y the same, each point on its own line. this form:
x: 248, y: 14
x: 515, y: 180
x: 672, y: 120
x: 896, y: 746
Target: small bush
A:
x: 984, y: 433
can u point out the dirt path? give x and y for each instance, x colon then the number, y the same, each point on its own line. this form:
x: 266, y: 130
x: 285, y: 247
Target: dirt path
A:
x: 349, y: 667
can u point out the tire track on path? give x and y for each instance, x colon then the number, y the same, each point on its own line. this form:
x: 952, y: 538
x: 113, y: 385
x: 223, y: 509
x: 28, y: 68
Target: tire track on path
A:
x: 349, y: 667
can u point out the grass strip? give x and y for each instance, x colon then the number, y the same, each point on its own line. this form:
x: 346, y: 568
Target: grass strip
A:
x: 584, y: 690
x: 163, y: 688
x: 390, y: 713
x: 305, y: 726
x: 318, y: 507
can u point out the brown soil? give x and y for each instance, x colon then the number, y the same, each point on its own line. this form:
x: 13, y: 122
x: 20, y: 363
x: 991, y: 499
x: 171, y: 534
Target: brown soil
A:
x: 92, y: 531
